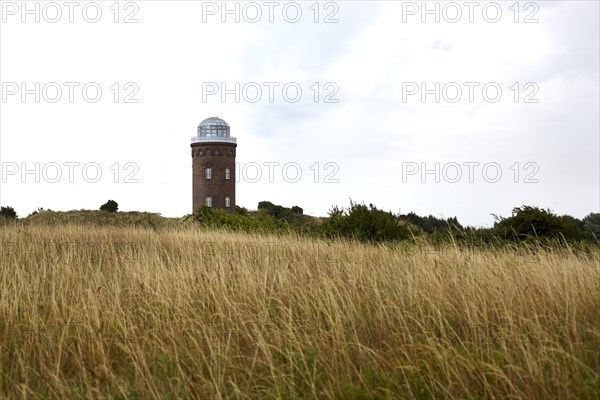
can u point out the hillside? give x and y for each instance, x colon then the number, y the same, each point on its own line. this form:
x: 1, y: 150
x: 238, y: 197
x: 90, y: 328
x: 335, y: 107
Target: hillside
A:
x: 102, y: 218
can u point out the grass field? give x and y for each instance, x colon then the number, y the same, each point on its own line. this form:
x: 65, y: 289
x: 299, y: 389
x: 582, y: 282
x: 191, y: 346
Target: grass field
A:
x: 175, y: 312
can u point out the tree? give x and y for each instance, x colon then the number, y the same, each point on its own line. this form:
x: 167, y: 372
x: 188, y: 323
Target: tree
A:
x: 431, y: 224
x: 591, y: 225
x: 366, y: 223
x: 265, y: 205
x: 532, y: 222
x: 280, y: 213
x: 241, y: 210
x: 8, y: 212
x: 297, y: 210
x: 110, y: 206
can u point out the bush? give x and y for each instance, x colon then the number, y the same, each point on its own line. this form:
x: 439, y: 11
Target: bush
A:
x: 35, y: 212
x: 110, y: 206
x: 591, y: 226
x: 529, y: 222
x: 246, y: 221
x: 8, y: 213
x: 365, y: 223
x: 297, y: 210
x: 241, y: 210
x: 282, y: 214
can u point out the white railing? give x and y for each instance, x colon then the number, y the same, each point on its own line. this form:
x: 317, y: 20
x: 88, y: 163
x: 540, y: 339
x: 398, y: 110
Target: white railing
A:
x: 199, y: 139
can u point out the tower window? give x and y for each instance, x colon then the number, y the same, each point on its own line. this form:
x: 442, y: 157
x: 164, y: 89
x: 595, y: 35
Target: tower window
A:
x: 227, y: 174
x: 227, y: 202
x: 208, y: 173
x: 208, y: 201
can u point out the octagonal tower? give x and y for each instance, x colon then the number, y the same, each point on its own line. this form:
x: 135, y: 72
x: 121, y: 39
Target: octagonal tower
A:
x: 213, y: 166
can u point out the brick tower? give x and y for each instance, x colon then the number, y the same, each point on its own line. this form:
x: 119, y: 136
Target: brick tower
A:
x: 213, y: 165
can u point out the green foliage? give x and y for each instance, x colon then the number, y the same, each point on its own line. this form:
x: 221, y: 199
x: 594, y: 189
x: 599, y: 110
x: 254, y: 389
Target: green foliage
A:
x: 428, y: 224
x: 8, y: 213
x: 297, y: 210
x: 246, y: 221
x: 241, y: 210
x: 110, y: 206
x: 280, y: 213
x: 438, y: 228
x: 266, y: 205
x: 591, y: 226
x: 364, y: 223
x: 39, y: 210
x: 528, y: 223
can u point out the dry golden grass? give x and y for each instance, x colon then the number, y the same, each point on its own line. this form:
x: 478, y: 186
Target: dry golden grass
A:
x: 178, y: 313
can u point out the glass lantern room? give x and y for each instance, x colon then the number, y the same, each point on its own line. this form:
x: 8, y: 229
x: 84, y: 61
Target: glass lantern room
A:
x: 213, y: 129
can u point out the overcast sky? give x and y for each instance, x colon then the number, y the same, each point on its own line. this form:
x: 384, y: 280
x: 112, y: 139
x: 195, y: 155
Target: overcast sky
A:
x: 457, y: 109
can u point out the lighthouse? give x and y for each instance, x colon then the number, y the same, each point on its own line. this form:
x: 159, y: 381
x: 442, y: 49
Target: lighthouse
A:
x: 213, y: 166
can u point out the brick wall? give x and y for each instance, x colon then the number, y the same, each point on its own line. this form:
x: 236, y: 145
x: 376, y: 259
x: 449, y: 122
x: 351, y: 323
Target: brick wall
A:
x: 217, y: 156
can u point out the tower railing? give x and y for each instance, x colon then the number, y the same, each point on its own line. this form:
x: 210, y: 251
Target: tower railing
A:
x: 200, y: 139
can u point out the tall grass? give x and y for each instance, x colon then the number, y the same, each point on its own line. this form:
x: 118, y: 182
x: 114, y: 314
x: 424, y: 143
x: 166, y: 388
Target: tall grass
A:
x: 129, y: 312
